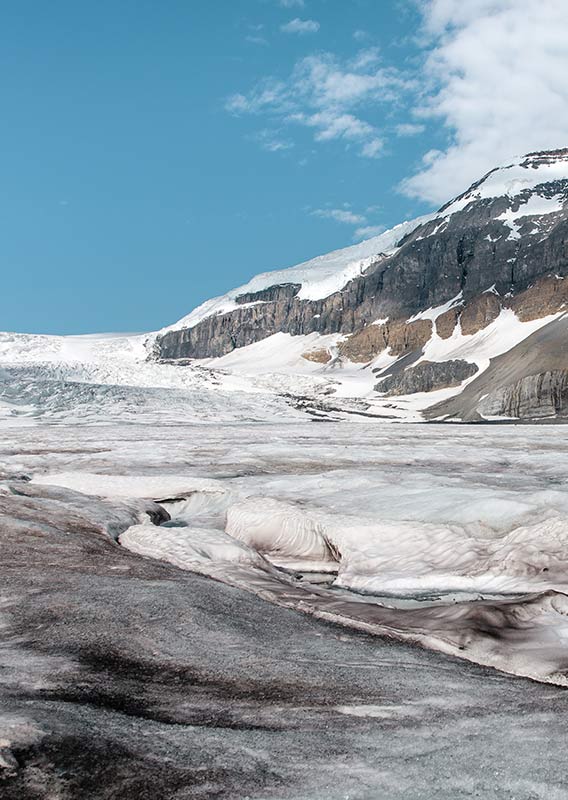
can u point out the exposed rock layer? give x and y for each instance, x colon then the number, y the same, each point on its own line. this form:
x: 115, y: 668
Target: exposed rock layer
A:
x: 535, y: 396
x: 400, y: 336
x: 468, y: 252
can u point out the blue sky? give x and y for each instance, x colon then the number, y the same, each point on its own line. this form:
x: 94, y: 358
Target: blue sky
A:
x: 156, y: 154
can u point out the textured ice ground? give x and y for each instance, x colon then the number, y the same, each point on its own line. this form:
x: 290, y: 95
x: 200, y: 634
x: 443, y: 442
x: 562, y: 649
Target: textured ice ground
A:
x: 454, y: 537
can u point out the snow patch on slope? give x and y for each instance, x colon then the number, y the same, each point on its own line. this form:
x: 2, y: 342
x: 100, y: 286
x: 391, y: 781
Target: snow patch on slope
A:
x: 434, y: 312
x: 505, y: 332
x: 536, y: 206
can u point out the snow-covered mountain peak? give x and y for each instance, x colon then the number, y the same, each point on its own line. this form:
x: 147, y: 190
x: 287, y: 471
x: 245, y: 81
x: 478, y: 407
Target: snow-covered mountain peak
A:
x: 526, y: 174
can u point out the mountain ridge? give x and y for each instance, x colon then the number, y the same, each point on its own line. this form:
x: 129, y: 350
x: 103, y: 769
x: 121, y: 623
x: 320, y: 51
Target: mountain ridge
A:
x: 457, y: 316
x: 481, y: 239
x: 501, y: 246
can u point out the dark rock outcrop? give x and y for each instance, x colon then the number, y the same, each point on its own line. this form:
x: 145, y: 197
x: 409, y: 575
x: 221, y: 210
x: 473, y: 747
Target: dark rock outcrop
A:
x: 427, y: 376
x: 272, y: 294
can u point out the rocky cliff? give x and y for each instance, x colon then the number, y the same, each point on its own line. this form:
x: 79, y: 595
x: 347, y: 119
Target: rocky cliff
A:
x: 499, y: 248
x: 482, y: 239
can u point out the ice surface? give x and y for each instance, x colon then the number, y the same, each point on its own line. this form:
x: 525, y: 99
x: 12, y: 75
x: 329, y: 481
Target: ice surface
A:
x: 439, y: 516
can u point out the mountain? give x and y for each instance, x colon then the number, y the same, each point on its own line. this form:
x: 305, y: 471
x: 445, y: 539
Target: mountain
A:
x: 439, y: 303
x: 459, y: 315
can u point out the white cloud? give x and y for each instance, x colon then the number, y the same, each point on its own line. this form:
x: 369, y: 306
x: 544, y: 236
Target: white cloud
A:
x: 272, y: 141
x: 256, y: 40
x: 332, y: 125
x: 340, y: 215
x: 363, y: 229
x: 301, y: 26
x: 373, y: 148
x: 361, y: 36
x: 292, y: 3
x: 409, y: 129
x: 496, y: 74
x: 328, y: 96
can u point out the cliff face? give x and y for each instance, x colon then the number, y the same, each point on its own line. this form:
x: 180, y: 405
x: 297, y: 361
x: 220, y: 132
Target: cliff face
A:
x: 539, y: 396
x: 472, y: 298
x: 476, y: 242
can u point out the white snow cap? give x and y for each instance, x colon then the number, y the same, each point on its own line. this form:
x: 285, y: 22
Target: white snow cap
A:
x: 524, y: 172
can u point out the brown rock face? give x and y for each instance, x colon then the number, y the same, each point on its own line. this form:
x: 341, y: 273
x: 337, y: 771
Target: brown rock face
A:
x: 321, y: 356
x: 547, y: 296
x: 400, y: 336
x: 365, y: 344
x: 480, y: 312
x: 404, y: 337
x: 446, y: 322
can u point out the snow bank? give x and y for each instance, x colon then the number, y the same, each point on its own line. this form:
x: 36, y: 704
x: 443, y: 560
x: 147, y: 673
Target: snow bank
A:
x: 190, y: 548
x: 407, y: 557
x: 148, y: 486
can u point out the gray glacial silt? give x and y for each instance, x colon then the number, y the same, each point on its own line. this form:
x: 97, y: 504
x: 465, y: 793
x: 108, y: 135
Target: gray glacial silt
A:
x: 126, y: 676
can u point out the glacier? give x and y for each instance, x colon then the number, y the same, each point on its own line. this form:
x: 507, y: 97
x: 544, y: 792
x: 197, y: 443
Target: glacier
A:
x: 205, y: 561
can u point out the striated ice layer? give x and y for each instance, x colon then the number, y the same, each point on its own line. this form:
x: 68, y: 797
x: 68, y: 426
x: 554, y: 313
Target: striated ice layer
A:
x: 189, y: 549
x: 382, y: 557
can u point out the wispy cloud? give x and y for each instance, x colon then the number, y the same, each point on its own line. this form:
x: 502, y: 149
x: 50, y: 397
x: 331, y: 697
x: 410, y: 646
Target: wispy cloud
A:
x: 301, y: 26
x: 359, y: 221
x: 292, y: 3
x: 272, y: 141
x: 367, y: 232
x: 256, y: 34
x: 339, y: 215
x: 409, y: 129
x: 496, y: 71
x: 257, y: 40
x: 329, y: 96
